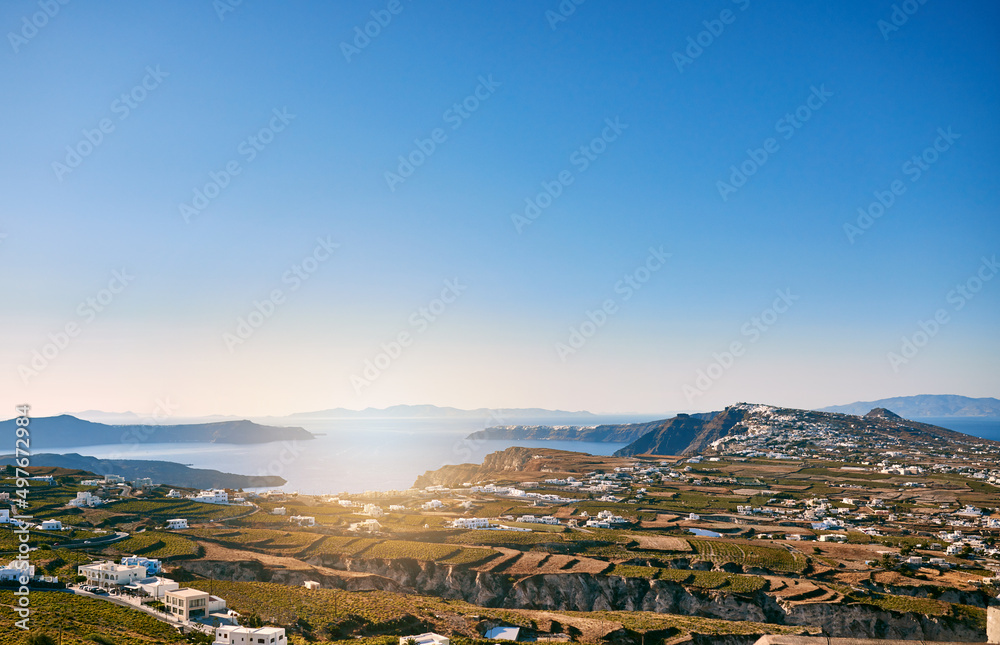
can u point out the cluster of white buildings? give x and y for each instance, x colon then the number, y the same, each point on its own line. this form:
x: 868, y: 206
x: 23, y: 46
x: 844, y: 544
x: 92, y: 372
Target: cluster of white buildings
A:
x: 545, y: 519
x: 213, y: 496
x: 85, y: 498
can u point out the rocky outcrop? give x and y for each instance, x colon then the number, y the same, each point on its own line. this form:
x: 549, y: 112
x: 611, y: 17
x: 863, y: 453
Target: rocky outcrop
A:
x: 581, y: 592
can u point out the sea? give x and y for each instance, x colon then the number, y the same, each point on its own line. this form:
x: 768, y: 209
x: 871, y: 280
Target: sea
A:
x: 353, y: 455
x: 358, y: 455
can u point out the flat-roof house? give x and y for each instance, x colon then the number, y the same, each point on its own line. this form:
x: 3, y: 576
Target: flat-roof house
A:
x: 157, y: 587
x: 108, y: 574
x: 178, y: 523
x: 16, y: 569
x: 191, y: 604
x: 214, y: 496
x: 236, y: 635
x: 153, y: 566
x: 428, y: 638
x: 51, y: 525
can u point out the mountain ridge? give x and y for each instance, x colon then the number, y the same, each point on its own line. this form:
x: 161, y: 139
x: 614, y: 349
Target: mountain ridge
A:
x: 66, y: 430
x: 925, y: 405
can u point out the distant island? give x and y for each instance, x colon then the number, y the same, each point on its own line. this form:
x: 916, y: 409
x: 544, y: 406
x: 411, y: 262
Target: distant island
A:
x: 926, y: 405
x: 436, y: 412
x: 66, y: 431
x: 606, y: 433
x: 161, y: 472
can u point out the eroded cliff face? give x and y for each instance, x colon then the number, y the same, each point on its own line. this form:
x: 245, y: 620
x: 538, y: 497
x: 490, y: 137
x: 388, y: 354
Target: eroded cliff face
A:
x: 581, y: 592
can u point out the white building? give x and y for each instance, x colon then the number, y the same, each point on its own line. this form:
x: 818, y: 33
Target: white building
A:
x: 157, y: 587
x: 429, y: 638
x: 174, y: 493
x: 434, y: 503
x: 187, y: 604
x: 177, y: 523
x: 303, y: 520
x: 236, y: 635
x: 211, y: 497
x: 153, y: 566
x: 51, y: 525
x: 470, y: 523
x: 4, y: 516
x: 371, y: 525
x: 16, y: 569
x: 85, y: 498
x: 114, y: 479
x: 280, y: 510
x: 108, y: 574
x: 372, y: 510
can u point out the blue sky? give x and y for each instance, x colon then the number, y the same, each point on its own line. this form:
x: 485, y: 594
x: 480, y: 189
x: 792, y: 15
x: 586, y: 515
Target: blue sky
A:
x: 553, y: 86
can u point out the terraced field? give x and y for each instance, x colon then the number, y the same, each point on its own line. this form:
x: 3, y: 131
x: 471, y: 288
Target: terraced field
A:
x: 748, y: 555
x: 156, y: 544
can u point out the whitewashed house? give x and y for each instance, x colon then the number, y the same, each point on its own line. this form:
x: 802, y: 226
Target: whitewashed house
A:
x: 236, y: 635
x: 373, y: 510
x: 279, y: 510
x: 153, y: 566
x: 213, y: 496
x: 177, y: 523
x: 303, y: 520
x: 470, y: 523
x: 428, y: 638
x: 50, y: 525
x: 85, y: 498
x: 108, y: 574
x: 174, y: 493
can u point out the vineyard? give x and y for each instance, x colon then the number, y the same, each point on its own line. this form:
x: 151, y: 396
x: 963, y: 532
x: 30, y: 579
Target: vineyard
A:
x: 748, y: 555
x: 735, y: 583
x: 283, y: 542
x: 80, y: 617
x: 160, y: 510
x: 156, y: 544
x: 396, y: 549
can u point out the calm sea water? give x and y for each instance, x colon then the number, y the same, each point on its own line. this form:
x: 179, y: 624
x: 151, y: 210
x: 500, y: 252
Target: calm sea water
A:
x: 382, y: 454
x: 350, y: 455
x: 985, y: 427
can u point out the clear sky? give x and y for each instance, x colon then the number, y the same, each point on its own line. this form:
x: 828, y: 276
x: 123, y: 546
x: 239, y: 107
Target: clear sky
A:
x: 703, y: 157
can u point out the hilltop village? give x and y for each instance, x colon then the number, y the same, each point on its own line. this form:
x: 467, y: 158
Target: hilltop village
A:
x: 785, y: 522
